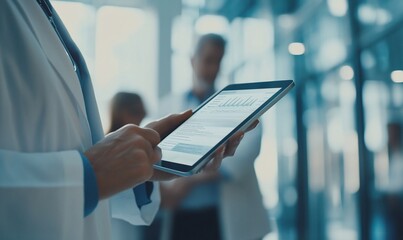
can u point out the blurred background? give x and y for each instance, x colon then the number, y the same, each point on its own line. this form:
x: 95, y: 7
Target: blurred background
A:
x: 331, y: 164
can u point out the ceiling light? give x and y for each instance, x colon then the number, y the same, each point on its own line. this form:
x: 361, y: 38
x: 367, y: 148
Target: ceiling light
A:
x: 296, y: 48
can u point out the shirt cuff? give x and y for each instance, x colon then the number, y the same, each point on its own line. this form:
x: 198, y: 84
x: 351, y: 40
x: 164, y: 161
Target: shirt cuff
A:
x: 91, y: 196
x: 142, y: 193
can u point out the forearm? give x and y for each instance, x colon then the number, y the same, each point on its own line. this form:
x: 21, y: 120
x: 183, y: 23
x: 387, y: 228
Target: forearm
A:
x: 32, y: 169
x: 47, y: 183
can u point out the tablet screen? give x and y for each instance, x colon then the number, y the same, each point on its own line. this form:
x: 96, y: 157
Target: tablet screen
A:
x: 211, y: 123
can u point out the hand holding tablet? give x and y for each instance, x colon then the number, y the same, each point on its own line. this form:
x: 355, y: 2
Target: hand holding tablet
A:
x: 164, y: 127
x: 188, y: 148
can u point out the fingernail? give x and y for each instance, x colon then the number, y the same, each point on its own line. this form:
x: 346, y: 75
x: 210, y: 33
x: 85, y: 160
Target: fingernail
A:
x: 186, y: 111
x: 240, y: 139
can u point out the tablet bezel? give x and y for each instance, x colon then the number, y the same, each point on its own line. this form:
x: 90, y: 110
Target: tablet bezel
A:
x: 185, y: 170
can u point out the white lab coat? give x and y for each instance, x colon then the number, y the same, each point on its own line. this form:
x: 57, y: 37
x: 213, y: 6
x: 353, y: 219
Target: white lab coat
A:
x: 43, y: 124
x: 241, y: 210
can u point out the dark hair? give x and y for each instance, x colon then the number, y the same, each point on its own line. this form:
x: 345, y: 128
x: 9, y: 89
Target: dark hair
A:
x: 213, y: 38
x: 124, y: 102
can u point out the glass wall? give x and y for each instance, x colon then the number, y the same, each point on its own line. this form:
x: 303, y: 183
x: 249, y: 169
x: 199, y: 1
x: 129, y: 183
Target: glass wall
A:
x: 332, y: 153
x: 350, y: 146
x: 383, y: 103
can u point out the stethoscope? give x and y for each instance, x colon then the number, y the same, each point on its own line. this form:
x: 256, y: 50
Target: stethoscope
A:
x: 45, y: 5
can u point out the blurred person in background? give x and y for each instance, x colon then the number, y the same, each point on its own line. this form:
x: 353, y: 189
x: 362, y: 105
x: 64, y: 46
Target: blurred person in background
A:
x: 392, y: 196
x: 225, y: 204
x: 395, y: 152
x: 126, y: 108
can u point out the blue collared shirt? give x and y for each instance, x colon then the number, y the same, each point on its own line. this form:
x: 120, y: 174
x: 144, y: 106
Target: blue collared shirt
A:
x: 91, y: 195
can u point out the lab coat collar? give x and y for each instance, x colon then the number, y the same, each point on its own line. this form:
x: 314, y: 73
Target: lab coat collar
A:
x: 53, y: 49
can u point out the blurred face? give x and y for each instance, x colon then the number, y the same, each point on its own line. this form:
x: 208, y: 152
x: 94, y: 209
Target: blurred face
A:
x: 394, y: 135
x: 206, y: 65
x: 136, y: 117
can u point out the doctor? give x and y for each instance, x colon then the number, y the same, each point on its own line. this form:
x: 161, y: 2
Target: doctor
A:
x: 57, y: 170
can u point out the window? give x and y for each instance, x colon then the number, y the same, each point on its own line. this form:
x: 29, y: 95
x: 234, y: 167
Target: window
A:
x: 119, y: 46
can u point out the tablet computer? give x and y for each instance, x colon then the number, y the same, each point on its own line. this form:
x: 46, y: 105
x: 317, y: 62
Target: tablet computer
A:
x: 193, y: 144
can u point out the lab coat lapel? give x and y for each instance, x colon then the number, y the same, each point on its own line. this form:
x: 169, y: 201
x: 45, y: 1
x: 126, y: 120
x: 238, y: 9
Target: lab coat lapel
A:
x: 54, y: 50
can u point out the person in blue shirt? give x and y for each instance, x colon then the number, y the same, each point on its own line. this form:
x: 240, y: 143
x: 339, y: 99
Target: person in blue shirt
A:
x: 221, y: 204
